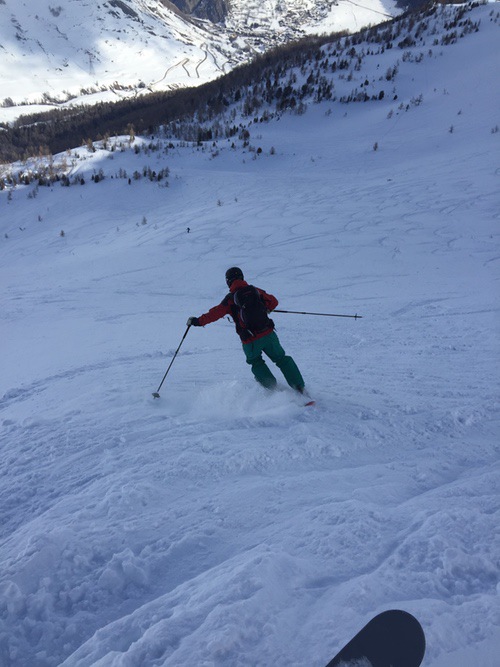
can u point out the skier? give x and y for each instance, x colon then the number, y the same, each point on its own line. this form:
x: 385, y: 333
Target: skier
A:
x: 249, y: 306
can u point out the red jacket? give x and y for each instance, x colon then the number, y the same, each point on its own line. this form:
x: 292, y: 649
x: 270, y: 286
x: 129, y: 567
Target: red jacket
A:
x: 228, y: 307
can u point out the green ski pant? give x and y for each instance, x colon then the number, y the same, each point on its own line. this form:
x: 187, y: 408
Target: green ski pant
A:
x: 271, y: 346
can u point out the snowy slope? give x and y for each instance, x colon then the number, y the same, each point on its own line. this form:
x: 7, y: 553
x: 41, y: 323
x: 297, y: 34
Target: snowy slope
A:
x: 221, y: 525
x: 75, y: 51
x: 60, y: 52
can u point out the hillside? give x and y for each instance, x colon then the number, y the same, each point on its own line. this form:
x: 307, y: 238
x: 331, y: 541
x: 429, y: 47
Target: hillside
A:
x: 223, y: 525
x: 286, y: 78
x: 59, y: 55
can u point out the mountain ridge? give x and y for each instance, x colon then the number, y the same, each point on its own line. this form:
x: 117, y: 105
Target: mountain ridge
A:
x: 75, y: 52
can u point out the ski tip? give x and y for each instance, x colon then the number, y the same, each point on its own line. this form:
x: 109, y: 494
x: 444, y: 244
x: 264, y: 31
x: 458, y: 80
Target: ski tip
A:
x: 309, y: 403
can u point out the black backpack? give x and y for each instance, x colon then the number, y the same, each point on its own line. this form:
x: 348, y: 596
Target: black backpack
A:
x: 252, y: 311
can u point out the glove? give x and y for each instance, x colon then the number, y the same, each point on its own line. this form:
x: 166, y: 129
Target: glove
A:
x: 193, y: 322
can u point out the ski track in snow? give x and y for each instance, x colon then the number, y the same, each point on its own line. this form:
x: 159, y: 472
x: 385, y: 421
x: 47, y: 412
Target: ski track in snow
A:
x: 221, y: 525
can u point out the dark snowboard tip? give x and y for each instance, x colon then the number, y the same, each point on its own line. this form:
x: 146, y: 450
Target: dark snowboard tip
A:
x: 393, y: 638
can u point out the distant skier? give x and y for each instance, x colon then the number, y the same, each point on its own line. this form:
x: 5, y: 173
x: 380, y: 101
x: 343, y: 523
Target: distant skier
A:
x: 249, y: 306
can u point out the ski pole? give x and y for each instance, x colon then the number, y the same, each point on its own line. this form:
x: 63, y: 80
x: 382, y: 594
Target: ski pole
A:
x: 297, y: 312
x: 156, y: 394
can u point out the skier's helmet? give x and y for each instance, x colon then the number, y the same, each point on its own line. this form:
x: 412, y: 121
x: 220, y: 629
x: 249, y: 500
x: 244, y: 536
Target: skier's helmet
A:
x: 234, y: 273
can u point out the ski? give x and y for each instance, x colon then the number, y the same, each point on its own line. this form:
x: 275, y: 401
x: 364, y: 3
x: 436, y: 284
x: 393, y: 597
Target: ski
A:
x: 391, y: 639
x: 305, y: 394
